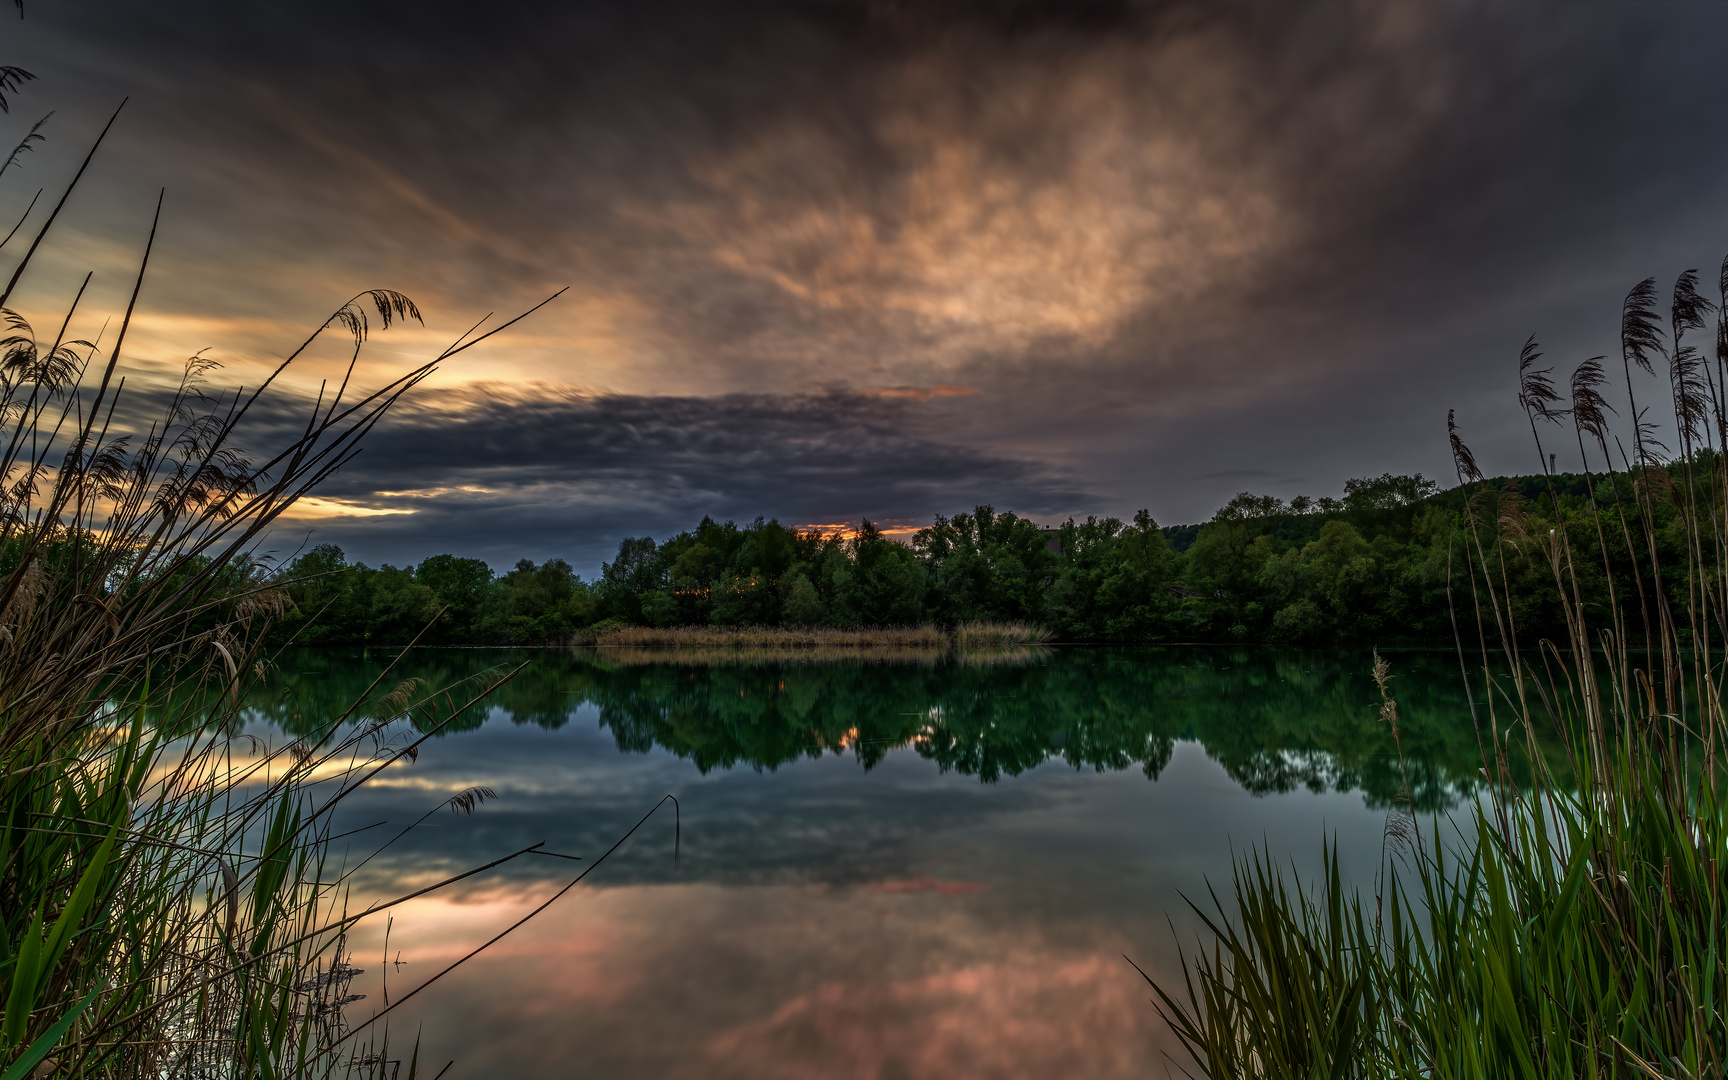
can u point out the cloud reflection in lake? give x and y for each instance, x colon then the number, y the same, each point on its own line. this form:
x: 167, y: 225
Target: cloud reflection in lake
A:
x: 826, y: 919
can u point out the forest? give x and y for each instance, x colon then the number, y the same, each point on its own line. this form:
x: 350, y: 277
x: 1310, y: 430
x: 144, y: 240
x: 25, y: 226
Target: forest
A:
x: 1391, y: 560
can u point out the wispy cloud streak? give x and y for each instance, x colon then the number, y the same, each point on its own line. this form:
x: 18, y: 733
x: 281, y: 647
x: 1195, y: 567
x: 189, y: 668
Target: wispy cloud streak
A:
x: 535, y: 471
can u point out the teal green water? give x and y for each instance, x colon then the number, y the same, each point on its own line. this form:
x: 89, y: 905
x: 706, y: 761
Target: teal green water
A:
x: 1274, y: 719
x: 926, y: 866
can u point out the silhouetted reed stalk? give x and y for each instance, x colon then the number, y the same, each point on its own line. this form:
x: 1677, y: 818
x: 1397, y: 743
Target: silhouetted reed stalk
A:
x: 166, y: 902
x: 1576, y: 926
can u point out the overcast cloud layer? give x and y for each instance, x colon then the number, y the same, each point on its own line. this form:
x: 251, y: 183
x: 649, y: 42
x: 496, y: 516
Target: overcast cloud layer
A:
x: 832, y: 259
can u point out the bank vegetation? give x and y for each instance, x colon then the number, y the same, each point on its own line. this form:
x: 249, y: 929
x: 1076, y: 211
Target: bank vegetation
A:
x: 1573, y: 925
x: 168, y: 904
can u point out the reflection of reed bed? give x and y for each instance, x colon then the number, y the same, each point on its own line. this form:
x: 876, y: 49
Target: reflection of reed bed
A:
x: 990, y: 655
x: 773, y: 637
x: 825, y: 654
x: 787, y: 638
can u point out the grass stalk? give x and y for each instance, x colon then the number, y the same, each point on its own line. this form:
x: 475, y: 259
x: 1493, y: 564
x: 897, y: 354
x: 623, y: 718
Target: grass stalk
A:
x: 165, y: 898
x: 1574, y: 926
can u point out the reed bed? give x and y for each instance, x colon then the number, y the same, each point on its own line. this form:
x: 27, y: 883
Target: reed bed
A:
x: 1574, y: 924
x: 709, y: 657
x: 773, y: 637
x: 167, y: 905
x: 998, y: 633
x: 787, y: 638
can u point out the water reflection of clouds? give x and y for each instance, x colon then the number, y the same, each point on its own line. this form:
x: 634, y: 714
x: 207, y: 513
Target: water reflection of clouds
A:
x: 702, y: 980
x: 956, y: 907
x: 822, y: 921
x: 1028, y: 1012
x: 821, y: 820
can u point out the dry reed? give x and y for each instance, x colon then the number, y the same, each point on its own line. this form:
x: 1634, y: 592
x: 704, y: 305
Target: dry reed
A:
x: 820, y: 637
x: 1582, y: 930
x: 164, y: 899
x: 712, y: 656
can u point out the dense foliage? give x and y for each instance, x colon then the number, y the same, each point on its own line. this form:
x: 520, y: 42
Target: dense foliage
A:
x: 1374, y: 565
x: 1572, y: 925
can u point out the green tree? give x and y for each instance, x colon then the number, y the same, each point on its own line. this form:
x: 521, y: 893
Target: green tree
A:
x: 887, y: 588
x: 1344, y: 575
x: 748, y: 599
x: 623, y: 581
x: 660, y: 608
x: 463, y: 587
x: 692, y: 577
x: 324, y: 609
x: 1115, y: 582
x: 985, y: 565
x: 541, y: 605
x: 400, y: 607
x: 800, y: 603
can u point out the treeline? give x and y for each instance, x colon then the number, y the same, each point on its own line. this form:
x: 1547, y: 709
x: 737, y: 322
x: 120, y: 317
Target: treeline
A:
x: 1394, y: 558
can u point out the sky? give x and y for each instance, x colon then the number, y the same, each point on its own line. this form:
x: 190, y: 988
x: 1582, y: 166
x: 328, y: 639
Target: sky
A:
x: 836, y: 259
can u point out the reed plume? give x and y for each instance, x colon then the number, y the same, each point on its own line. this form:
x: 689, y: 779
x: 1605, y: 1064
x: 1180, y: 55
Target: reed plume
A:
x: 1576, y: 925
x: 164, y: 903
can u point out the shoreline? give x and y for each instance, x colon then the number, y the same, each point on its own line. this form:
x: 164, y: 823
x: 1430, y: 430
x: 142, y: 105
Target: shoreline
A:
x: 926, y: 637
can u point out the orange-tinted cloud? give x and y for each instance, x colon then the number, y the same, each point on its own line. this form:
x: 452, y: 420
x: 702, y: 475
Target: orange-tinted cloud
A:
x: 314, y: 508
x: 924, y: 393
x: 896, y: 528
x: 972, y: 246
x: 927, y: 884
x: 1141, y: 232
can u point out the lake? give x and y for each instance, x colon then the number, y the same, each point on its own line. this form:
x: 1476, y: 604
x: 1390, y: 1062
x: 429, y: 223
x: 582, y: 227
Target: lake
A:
x: 903, y: 867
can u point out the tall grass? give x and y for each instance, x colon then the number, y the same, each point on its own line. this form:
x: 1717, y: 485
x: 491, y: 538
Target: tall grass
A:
x: 927, y: 656
x: 167, y: 907
x: 821, y: 637
x: 998, y: 633
x: 1574, y: 924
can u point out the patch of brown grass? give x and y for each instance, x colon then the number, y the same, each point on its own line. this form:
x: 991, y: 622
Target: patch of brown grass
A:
x: 785, y: 638
x: 999, y: 633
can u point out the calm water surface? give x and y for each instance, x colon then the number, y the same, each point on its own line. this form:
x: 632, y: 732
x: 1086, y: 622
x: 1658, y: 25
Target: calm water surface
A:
x: 925, y: 867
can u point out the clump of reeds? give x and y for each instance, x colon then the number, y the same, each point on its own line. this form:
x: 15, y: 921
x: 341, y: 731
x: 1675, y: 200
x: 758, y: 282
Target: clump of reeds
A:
x: 927, y: 636
x: 773, y: 637
x: 1576, y: 927
x: 708, y: 656
x: 998, y: 633
x: 165, y: 906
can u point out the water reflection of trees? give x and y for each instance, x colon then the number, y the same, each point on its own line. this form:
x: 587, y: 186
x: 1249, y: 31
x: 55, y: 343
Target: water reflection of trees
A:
x: 1276, y: 720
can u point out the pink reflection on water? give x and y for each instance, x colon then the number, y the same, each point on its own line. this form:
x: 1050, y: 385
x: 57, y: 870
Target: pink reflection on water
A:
x: 801, y: 981
x: 1030, y: 1013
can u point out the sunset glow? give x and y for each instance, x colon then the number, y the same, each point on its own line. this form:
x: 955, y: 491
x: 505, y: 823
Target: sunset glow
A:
x: 903, y: 264
x: 863, y: 539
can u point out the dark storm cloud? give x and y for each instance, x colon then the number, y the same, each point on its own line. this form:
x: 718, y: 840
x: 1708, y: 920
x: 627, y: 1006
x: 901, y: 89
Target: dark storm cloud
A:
x: 1170, y: 246
x: 505, y: 473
